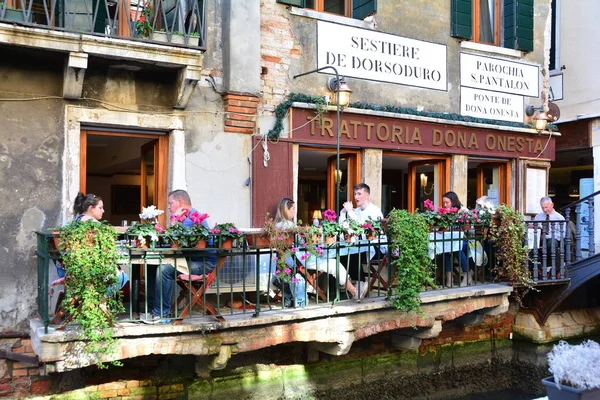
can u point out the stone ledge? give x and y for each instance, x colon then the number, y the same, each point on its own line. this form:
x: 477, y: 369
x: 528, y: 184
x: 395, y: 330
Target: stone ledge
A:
x: 336, y: 328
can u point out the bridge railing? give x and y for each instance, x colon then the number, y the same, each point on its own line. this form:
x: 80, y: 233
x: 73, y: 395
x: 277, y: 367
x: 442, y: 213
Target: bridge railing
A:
x: 580, y: 215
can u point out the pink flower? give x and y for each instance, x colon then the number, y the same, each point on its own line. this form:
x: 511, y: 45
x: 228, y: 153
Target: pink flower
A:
x: 279, y: 237
x: 428, y: 205
x: 294, y: 249
x: 277, y: 272
x: 159, y: 228
x: 330, y: 215
x: 215, y: 231
x: 294, y: 280
x: 288, y: 271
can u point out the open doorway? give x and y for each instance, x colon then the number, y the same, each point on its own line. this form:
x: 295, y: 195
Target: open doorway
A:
x: 317, y: 174
x: 127, y: 170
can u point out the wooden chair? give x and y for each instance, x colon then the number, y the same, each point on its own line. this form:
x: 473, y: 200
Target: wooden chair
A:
x: 197, y: 285
x: 376, y: 267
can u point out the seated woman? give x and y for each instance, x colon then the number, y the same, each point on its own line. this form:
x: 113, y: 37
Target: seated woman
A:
x: 450, y: 200
x: 89, y: 207
x: 296, y: 291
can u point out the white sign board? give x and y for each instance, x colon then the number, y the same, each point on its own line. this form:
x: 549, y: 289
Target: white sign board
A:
x: 492, y: 105
x: 366, y: 54
x: 499, y: 75
x: 556, y: 88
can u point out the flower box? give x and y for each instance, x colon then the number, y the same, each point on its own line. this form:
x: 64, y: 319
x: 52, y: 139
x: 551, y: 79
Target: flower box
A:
x: 568, y: 392
x: 258, y: 241
x: 160, y: 36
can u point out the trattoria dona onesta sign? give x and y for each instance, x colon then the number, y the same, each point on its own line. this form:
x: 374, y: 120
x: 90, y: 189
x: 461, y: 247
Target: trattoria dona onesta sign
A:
x: 367, y: 131
x: 365, y: 54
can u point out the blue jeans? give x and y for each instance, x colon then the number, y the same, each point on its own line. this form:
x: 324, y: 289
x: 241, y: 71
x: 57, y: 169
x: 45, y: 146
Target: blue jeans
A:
x: 461, y: 256
x: 165, y: 280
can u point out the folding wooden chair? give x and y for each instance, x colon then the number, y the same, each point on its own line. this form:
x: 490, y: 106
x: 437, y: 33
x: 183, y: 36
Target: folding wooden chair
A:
x: 376, y: 267
x: 197, y: 285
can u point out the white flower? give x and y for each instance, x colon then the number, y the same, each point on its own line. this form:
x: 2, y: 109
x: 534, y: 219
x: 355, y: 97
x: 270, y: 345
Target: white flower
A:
x: 576, y: 365
x: 150, y: 212
x: 153, y: 237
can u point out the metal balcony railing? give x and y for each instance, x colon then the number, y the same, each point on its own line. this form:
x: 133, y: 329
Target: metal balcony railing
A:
x: 177, y: 22
x: 244, y: 281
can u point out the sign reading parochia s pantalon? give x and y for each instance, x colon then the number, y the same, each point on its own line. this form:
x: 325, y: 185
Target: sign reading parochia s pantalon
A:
x: 365, y: 54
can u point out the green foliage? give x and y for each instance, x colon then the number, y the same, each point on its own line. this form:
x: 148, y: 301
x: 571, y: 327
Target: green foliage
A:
x: 90, y: 256
x: 408, y: 238
x: 283, y: 107
x: 507, y: 235
x: 182, y: 235
x: 226, y: 230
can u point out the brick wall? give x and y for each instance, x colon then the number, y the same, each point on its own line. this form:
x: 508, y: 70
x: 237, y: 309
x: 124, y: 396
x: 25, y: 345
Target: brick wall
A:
x: 240, y: 112
x: 278, y: 48
x: 17, y: 379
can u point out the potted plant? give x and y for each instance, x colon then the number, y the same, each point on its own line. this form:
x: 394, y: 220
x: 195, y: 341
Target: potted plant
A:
x: 575, y: 371
x: 180, y: 235
x: 143, y: 26
x: 225, y: 234
x: 331, y: 228
x: 147, y: 230
x: 89, y: 257
x: 352, y: 229
x: 372, y: 228
x: 312, y: 234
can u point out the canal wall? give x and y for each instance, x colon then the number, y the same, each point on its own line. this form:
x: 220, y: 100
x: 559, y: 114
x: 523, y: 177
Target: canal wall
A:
x: 464, y: 358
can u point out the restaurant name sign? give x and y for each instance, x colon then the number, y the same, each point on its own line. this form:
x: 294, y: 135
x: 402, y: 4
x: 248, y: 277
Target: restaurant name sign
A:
x: 366, y: 54
x: 357, y: 130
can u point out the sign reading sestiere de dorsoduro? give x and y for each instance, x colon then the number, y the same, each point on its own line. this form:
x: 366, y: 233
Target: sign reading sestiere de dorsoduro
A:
x: 365, y: 54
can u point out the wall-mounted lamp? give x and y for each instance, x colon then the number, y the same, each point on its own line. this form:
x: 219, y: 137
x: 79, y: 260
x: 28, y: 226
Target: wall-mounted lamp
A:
x: 542, y: 117
x: 551, y: 191
x: 574, y: 191
x: 424, y: 185
x: 338, y: 176
x: 341, y: 91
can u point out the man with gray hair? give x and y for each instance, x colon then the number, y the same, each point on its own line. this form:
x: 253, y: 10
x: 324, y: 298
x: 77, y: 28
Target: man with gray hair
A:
x: 552, y: 232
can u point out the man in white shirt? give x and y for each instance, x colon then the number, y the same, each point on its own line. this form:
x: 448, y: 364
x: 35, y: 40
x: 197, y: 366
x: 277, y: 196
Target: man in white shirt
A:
x: 552, y: 232
x: 363, y: 211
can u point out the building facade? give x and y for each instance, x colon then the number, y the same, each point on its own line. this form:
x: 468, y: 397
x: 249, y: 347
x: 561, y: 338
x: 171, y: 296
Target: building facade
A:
x: 438, y: 97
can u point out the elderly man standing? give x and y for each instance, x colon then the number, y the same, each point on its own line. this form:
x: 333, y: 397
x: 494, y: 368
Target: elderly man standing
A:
x: 179, y: 205
x: 552, y: 232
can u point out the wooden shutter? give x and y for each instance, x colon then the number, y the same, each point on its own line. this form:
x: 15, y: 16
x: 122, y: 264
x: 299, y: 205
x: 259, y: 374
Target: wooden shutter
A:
x: 363, y: 8
x: 518, y: 24
x: 270, y: 184
x: 462, y: 19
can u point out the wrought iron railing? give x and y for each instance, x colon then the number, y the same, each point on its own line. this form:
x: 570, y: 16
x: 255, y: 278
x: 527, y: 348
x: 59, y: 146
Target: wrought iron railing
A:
x: 176, y: 22
x: 244, y: 283
x: 582, y: 211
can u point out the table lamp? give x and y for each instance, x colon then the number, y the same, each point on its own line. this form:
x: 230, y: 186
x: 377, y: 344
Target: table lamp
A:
x: 316, y: 217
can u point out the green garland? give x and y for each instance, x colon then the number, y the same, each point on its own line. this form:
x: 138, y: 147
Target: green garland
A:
x: 283, y: 107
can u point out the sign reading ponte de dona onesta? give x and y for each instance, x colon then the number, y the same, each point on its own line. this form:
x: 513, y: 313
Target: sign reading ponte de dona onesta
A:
x: 368, y: 131
x: 493, y: 88
x: 365, y: 54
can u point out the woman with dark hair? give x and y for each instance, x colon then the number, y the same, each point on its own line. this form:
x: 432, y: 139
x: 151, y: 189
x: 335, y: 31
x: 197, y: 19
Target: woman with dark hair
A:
x: 450, y: 200
x: 88, y: 206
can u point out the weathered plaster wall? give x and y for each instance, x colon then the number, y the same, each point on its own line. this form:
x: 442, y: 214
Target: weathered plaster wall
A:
x: 30, y: 175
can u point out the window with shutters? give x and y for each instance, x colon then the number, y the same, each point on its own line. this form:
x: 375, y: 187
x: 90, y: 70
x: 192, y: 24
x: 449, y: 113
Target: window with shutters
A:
x: 507, y: 23
x: 357, y: 9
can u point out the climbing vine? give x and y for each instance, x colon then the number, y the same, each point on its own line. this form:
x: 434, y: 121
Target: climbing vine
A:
x: 414, y: 269
x: 507, y: 233
x: 90, y: 257
x: 284, y: 106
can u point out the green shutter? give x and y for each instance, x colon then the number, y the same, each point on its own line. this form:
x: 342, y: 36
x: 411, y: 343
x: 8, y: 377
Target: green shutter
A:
x: 462, y: 19
x: 297, y: 3
x: 518, y: 24
x: 363, y: 8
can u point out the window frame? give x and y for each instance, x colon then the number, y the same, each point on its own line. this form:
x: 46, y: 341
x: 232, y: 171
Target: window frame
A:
x: 497, y: 21
x: 320, y: 7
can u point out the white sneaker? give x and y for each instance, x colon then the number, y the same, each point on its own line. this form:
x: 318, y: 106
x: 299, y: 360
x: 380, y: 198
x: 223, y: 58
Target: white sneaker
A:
x: 362, y: 288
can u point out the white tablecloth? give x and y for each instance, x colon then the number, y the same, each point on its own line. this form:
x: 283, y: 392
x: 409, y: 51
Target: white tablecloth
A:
x: 445, y: 242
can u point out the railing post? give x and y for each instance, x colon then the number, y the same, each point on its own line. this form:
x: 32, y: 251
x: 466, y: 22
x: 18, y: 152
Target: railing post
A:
x: 578, y: 234
x: 592, y: 247
x: 568, y: 239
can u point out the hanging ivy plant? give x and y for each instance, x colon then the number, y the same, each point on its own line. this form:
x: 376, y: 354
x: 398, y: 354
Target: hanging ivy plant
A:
x: 90, y: 258
x: 283, y: 107
x: 414, y: 269
x: 507, y: 233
